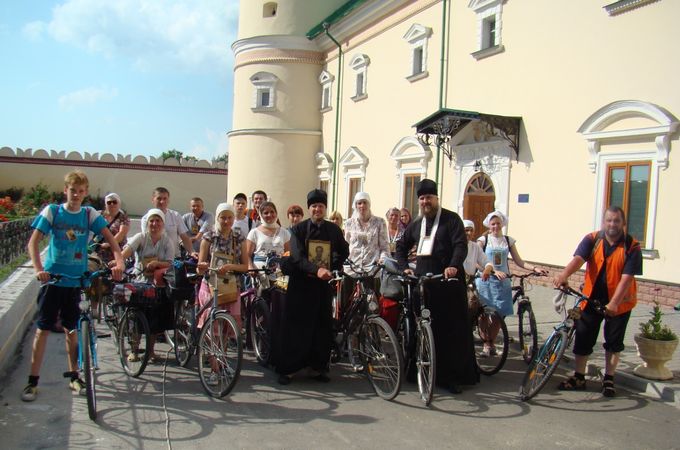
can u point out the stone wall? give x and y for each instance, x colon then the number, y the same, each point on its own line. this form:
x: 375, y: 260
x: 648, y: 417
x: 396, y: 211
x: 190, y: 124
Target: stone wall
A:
x: 132, y: 177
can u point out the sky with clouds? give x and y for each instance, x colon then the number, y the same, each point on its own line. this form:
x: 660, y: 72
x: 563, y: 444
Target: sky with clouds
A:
x: 127, y: 76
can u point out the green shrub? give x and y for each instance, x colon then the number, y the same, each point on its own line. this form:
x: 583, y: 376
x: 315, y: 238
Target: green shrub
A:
x: 655, y: 329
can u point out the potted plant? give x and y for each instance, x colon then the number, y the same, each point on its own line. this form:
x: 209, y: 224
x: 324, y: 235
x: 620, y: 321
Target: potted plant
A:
x: 656, y: 343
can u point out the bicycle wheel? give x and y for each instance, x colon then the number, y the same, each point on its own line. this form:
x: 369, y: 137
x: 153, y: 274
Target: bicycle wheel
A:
x: 88, y: 368
x: 220, y: 353
x: 425, y: 361
x: 259, y: 330
x: 184, y: 323
x: 383, y: 360
x: 111, y: 314
x: 134, y: 341
x: 543, y: 366
x: 490, y: 354
x: 528, y: 334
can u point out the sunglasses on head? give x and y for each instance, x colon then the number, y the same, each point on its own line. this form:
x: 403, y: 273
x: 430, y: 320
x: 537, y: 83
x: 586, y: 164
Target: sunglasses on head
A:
x: 112, y: 202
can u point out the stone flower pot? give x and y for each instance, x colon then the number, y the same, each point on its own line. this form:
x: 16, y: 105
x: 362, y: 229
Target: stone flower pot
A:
x: 655, y: 354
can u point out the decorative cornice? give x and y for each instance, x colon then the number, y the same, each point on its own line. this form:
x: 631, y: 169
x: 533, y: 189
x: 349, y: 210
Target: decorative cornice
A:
x: 625, y: 5
x: 273, y: 42
x: 259, y: 131
x: 277, y: 55
x: 110, y: 165
x: 108, y: 160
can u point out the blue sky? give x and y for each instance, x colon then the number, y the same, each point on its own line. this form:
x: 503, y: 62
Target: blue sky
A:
x: 125, y: 76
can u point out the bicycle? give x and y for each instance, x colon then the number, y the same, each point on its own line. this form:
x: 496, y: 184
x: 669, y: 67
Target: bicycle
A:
x: 527, y: 330
x: 488, y: 357
x: 415, y: 331
x: 211, y: 342
x: 369, y: 340
x: 551, y: 352
x: 256, y: 308
x: 87, y: 337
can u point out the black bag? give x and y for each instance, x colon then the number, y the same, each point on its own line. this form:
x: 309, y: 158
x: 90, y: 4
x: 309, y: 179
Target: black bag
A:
x: 390, y: 286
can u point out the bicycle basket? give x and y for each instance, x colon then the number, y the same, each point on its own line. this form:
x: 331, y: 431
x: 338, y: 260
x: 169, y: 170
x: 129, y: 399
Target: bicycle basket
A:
x: 137, y: 294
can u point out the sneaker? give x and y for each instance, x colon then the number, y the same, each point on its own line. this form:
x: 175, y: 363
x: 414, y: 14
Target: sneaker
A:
x: 29, y: 393
x: 133, y: 357
x: 78, y: 386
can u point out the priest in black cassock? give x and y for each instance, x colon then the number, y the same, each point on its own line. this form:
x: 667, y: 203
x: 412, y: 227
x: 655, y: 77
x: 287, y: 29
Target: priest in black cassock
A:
x: 441, y: 247
x: 304, y: 332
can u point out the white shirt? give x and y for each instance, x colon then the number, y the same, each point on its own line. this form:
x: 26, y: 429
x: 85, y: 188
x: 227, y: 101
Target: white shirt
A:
x: 475, y: 258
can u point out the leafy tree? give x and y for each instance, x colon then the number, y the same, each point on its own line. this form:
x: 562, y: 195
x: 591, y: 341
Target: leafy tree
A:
x: 223, y: 158
x: 178, y: 155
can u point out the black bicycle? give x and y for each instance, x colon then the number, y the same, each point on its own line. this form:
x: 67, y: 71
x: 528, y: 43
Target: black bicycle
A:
x: 550, y: 354
x: 490, y: 334
x: 528, y: 334
x: 415, y: 333
x: 371, y: 344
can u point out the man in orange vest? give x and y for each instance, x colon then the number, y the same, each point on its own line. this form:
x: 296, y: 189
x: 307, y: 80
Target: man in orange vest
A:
x: 613, y: 259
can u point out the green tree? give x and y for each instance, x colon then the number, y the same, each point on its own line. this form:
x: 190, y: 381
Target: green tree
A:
x: 178, y: 155
x: 223, y: 158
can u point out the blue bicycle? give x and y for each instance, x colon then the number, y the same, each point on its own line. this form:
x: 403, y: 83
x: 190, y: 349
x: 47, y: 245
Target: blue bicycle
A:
x: 87, y: 337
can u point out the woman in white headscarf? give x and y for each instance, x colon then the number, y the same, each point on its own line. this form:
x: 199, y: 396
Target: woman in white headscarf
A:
x: 497, y: 290
x: 117, y: 221
x: 366, y: 234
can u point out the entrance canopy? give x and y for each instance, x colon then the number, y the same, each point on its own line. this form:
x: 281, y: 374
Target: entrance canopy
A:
x: 439, y: 128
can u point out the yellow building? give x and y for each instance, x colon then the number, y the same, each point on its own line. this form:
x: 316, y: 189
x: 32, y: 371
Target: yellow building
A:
x: 548, y: 111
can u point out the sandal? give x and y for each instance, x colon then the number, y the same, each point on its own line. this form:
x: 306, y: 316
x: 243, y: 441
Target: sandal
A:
x: 572, y: 384
x: 608, y: 388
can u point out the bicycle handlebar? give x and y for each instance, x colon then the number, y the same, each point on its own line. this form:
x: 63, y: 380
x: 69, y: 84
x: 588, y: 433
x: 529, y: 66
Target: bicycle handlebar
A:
x: 595, y: 303
x: 86, y: 276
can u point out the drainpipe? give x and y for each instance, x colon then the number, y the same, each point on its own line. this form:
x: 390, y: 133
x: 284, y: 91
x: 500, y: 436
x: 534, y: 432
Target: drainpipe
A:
x: 334, y: 195
x: 441, y: 90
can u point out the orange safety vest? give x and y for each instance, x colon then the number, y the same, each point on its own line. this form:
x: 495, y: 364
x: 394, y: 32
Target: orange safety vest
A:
x: 614, y: 264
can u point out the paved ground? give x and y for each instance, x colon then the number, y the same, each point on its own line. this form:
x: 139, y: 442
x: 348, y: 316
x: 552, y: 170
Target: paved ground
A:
x: 167, y: 407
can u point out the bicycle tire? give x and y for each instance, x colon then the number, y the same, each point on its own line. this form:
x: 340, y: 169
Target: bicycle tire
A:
x: 134, y: 342
x: 183, y: 334
x: 383, y: 359
x: 425, y: 362
x: 544, y: 365
x: 493, y: 363
x: 260, y: 320
x: 88, y: 369
x: 220, y: 352
x: 405, y: 335
x: 528, y: 333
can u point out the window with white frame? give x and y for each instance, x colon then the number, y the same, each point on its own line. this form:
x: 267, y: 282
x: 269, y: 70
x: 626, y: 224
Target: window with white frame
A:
x: 489, y: 20
x: 359, y: 63
x: 418, y: 36
x: 411, y: 158
x: 353, y: 163
x: 264, y: 94
x: 326, y: 81
x: 625, y: 178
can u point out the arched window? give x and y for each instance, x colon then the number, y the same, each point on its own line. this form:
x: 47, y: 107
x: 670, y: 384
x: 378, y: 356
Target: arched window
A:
x: 269, y: 9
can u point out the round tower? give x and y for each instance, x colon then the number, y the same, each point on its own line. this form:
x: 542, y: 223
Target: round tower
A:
x: 276, y: 129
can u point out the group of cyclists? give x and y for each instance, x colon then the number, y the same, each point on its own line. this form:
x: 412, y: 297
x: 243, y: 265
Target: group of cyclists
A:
x: 236, y: 240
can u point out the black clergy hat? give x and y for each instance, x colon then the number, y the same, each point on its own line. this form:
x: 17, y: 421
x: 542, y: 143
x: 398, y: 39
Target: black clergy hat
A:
x: 426, y: 186
x: 317, y: 196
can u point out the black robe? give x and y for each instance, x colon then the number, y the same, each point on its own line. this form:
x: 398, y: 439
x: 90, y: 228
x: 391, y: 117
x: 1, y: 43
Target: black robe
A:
x: 303, y: 334
x: 453, y: 342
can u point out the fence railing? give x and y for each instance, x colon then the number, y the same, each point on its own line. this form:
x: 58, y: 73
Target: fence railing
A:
x: 14, y: 236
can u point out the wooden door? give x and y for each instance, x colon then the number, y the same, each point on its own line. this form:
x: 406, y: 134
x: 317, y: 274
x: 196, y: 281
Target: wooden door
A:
x: 479, y: 201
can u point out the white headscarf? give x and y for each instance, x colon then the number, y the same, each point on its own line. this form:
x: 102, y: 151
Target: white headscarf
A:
x: 491, y: 215
x: 114, y: 196
x: 361, y: 196
x: 219, y: 210
x: 155, y: 212
x: 468, y: 224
